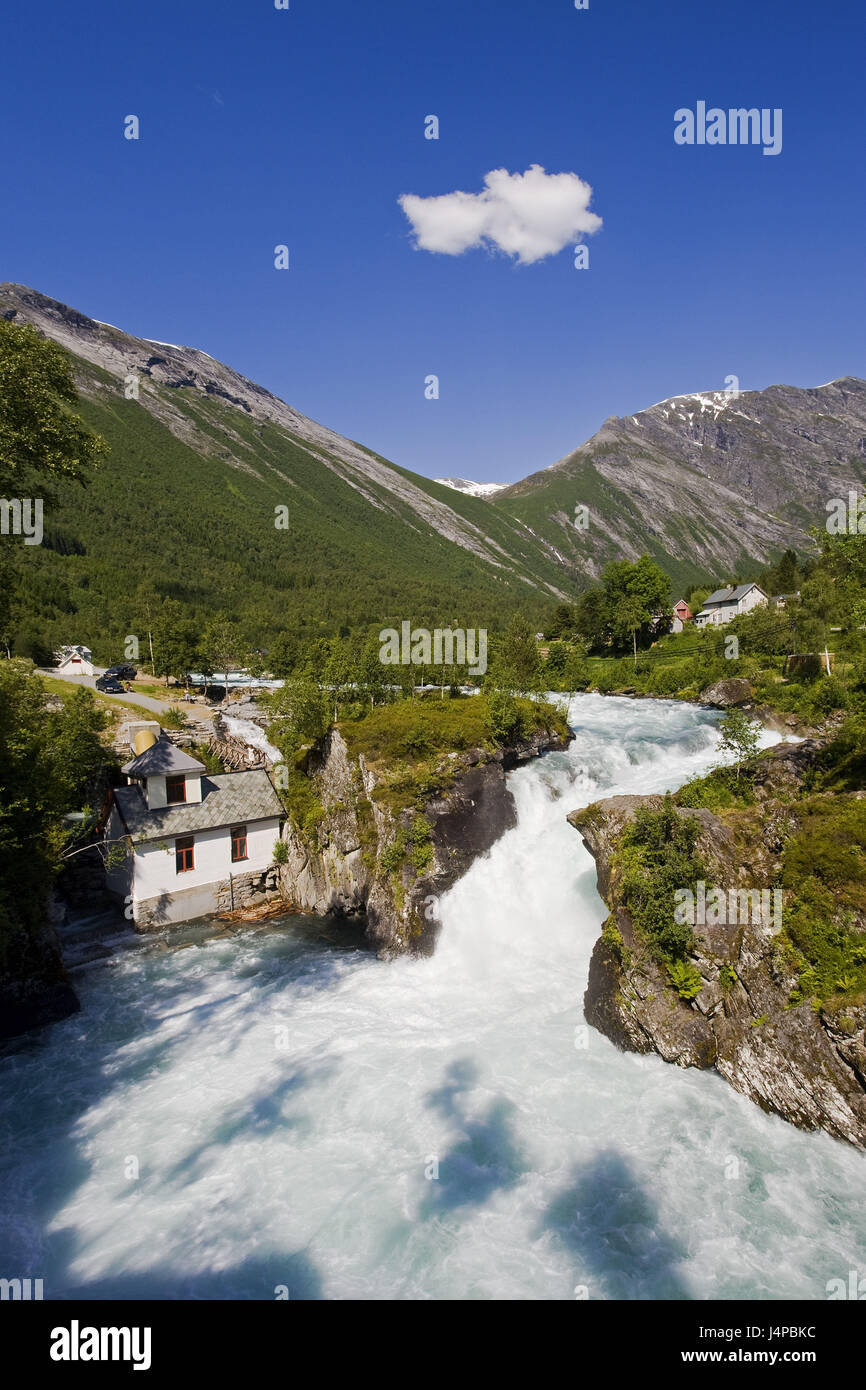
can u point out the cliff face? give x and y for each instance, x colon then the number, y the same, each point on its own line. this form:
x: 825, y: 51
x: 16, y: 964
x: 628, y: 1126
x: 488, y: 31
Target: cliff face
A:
x: 364, y: 856
x: 807, y: 1065
x: 765, y: 461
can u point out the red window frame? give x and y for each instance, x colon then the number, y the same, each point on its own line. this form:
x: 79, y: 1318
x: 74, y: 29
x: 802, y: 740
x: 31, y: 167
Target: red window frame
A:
x: 173, y: 785
x: 239, y: 843
x: 184, y: 854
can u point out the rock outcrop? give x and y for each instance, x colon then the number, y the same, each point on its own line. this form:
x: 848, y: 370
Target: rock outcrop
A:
x: 726, y: 694
x: 807, y: 1065
x: 363, y: 856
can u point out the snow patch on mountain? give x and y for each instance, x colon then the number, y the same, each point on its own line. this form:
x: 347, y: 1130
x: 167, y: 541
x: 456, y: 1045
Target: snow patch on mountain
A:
x: 470, y: 488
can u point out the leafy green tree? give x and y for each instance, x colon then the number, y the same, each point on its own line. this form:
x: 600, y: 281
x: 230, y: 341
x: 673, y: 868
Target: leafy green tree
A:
x: 42, y: 441
x: 738, y: 736
x: 222, y: 647
x: 593, y: 617
x: 51, y: 762
x: 300, y: 715
x: 629, y: 614
x: 696, y: 598
x: 504, y: 719
x: 283, y: 655
x: 340, y: 672
x: 518, y: 666
x: 563, y: 623
x: 40, y: 434
x: 371, y: 672
x: 787, y: 573
x: 146, y: 606
x: 174, y: 641
x: 635, y: 595
x: 555, y: 665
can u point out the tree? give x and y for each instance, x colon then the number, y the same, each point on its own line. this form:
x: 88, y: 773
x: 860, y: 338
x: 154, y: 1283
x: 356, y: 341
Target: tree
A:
x: 51, y: 762
x: 41, y: 438
x: 556, y: 661
x: 146, y: 607
x: 174, y: 641
x: 787, y: 573
x: 696, y: 598
x: 222, y: 646
x: 636, y: 594
x: 40, y: 434
x: 593, y: 617
x: 371, y: 671
x: 301, y: 714
x: 629, y: 614
x: 283, y: 655
x: 563, y: 622
x: 340, y: 672
x: 738, y: 736
x: 519, y: 664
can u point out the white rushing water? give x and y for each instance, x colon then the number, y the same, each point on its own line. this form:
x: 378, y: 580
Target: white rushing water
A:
x: 264, y: 1110
x: 250, y: 732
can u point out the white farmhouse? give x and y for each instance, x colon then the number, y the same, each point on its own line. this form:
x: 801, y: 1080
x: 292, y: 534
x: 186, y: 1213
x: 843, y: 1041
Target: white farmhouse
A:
x: 195, y: 843
x: 74, y: 661
x: 729, y: 603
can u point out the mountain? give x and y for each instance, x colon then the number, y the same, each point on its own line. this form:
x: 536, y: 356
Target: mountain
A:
x: 186, y: 501
x: 472, y: 489
x: 711, y: 485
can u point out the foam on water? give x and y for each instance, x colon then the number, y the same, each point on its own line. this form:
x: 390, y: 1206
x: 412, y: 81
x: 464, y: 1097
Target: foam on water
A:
x: 284, y: 1098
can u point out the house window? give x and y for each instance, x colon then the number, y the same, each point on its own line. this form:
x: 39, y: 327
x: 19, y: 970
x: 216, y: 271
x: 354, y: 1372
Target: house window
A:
x: 184, y: 858
x: 175, y: 790
x: 239, y: 843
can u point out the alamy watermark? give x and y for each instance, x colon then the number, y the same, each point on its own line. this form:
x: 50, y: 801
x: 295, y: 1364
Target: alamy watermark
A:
x: 444, y: 647
x: 718, y: 907
x: 21, y: 1290
x: 736, y: 126
x: 846, y: 517
x: 22, y: 516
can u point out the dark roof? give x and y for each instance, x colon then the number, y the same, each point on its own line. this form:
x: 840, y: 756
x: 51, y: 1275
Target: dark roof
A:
x: 730, y: 595
x: 230, y: 798
x: 162, y: 756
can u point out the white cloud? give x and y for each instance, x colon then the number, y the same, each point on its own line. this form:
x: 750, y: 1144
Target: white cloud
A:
x: 529, y: 215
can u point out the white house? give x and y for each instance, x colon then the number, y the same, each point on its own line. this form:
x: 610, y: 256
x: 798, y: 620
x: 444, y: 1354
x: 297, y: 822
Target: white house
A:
x: 74, y: 661
x: 194, y: 842
x: 729, y: 603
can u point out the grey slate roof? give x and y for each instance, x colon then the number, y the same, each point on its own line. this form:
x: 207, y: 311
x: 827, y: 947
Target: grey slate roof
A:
x: 729, y: 595
x: 229, y: 798
x: 162, y: 756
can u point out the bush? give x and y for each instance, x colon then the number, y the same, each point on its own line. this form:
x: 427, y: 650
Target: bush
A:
x: 505, y: 719
x: 685, y: 978
x: 830, y: 695
x: 658, y: 856
x: 281, y: 852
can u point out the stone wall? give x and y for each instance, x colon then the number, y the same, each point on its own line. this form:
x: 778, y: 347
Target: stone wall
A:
x: 248, y: 892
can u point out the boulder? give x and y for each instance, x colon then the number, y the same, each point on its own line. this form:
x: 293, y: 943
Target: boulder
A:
x: 735, y: 690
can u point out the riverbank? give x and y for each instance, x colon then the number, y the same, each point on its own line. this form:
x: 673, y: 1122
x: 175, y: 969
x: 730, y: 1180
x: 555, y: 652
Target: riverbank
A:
x: 768, y: 984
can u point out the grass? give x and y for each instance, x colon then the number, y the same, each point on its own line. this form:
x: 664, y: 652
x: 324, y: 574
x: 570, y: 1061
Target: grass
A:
x: 64, y: 689
x: 824, y: 873
x: 409, y: 743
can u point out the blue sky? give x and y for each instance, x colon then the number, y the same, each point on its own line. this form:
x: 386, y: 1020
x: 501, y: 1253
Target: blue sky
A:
x: 303, y: 127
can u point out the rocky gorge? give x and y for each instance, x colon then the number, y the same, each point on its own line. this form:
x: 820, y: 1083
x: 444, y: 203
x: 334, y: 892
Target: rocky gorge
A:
x: 394, y: 862
x: 748, y: 1014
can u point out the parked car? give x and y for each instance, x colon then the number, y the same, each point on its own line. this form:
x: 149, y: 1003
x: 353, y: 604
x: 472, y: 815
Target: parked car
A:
x: 123, y: 672
x: 109, y: 685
